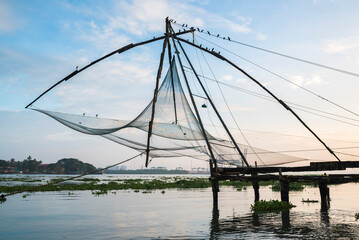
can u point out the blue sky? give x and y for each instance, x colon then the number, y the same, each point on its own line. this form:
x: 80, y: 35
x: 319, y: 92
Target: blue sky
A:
x: 43, y: 41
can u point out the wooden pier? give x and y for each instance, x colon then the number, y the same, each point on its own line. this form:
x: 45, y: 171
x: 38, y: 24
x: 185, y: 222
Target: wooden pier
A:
x: 258, y: 174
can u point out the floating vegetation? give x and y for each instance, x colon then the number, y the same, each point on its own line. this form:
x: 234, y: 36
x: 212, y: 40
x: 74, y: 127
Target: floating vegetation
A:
x: 26, y: 195
x: 100, y: 192
x: 101, y: 186
x: 309, y: 201
x: 293, y: 186
x: 357, y: 216
x: 89, y: 180
x: 136, y: 191
x: 271, y: 206
x: 163, y: 191
x: 70, y: 193
x: 145, y: 192
x: 2, y: 199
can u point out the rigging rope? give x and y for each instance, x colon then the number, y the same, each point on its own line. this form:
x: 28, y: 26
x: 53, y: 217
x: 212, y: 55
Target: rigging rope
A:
x: 229, y: 109
x: 273, y: 52
x: 259, y: 95
x: 68, y: 179
x: 283, y: 78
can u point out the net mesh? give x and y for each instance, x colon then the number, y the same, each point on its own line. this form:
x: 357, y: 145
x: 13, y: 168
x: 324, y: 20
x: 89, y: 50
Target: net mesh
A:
x: 176, y: 130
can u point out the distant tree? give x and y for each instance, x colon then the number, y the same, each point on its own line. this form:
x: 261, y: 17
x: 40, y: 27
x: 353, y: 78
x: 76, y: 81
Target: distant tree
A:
x: 4, y: 163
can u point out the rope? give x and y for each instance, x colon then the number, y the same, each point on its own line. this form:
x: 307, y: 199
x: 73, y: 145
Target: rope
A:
x: 283, y: 78
x: 272, y: 52
x: 229, y: 109
x: 64, y: 180
x: 259, y: 95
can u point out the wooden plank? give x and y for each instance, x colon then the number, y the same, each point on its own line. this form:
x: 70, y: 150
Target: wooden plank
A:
x: 314, y: 166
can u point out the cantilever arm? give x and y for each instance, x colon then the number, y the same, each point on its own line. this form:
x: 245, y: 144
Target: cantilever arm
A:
x: 267, y: 90
x: 120, y: 50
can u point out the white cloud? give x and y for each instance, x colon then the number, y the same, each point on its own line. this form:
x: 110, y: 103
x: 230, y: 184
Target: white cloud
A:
x: 227, y: 78
x: 7, y: 21
x: 142, y: 17
x: 302, y: 81
x: 342, y: 45
x: 261, y: 37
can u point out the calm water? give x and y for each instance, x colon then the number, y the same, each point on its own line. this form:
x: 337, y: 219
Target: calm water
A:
x: 177, y: 214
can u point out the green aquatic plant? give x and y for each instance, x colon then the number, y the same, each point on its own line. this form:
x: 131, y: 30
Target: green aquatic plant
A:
x: 271, y: 206
x: 2, y: 199
x: 293, y: 186
x: 309, y: 201
x: 26, y: 195
x: 163, y: 191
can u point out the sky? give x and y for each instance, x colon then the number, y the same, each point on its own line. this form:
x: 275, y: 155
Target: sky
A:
x: 43, y: 41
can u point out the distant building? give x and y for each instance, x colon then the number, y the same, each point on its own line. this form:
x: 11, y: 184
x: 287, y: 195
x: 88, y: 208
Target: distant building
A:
x: 115, y: 168
x: 123, y: 168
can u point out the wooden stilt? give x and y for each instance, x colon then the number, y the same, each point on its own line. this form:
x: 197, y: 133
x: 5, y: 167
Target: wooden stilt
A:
x: 324, y: 194
x: 215, y: 190
x: 284, y: 190
x: 255, y: 185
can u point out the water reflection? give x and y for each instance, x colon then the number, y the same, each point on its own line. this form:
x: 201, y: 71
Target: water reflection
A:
x: 279, y: 225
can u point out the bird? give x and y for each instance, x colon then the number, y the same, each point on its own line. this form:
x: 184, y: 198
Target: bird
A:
x: 198, y: 30
x: 208, y: 33
x: 79, y: 122
x: 179, y: 30
x: 175, y: 21
x: 212, y: 49
x: 217, y: 35
x: 186, y: 25
x: 96, y: 115
x: 77, y: 68
x: 83, y: 114
x: 182, y: 25
x: 219, y: 53
x: 202, y: 30
x: 200, y: 45
x: 229, y: 39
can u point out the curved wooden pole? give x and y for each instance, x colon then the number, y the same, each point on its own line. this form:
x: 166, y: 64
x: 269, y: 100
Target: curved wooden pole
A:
x: 265, y: 89
x: 150, y: 124
x: 120, y: 50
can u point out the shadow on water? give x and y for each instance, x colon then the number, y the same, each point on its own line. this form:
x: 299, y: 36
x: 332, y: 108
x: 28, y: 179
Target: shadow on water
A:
x: 283, y: 225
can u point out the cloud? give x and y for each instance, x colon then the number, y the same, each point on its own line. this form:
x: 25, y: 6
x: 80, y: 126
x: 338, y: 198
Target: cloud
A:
x: 7, y: 21
x: 342, y: 45
x: 102, y: 36
x: 140, y: 18
x: 302, y: 81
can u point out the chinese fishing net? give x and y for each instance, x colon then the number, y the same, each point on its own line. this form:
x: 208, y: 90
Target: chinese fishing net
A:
x: 176, y: 130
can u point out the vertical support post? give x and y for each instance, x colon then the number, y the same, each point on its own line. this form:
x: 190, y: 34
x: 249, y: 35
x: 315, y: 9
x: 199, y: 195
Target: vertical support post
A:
x: 284, y: 189
x: 215, y: 190
x: 255, y: 185
x: 324, y: 194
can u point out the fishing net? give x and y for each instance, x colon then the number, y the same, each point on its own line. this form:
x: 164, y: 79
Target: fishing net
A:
x: 175, y: 133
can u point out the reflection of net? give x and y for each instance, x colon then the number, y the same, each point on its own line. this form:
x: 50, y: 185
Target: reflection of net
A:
x: 170, y: 138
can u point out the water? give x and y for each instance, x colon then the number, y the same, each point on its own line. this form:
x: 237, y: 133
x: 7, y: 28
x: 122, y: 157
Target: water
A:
x: 177, y: 214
